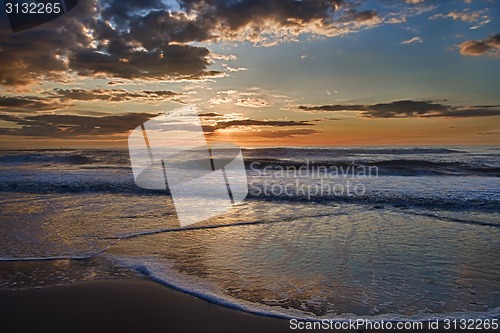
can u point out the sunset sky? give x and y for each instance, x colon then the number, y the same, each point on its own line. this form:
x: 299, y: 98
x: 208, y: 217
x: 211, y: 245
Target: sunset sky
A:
x: 265, y: 72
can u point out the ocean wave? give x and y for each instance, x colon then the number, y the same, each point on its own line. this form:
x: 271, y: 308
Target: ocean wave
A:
x: 378, y: 200
x: 49, y: 258
x: 357, y: 151
x: 396, y: 199
x: 389, y: 161
x: 395, y: 167
x: 163, y: 272
x: 45, y: 159
x: 77, y: 186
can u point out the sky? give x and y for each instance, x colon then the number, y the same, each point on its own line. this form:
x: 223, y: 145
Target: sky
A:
x: 261, y: 73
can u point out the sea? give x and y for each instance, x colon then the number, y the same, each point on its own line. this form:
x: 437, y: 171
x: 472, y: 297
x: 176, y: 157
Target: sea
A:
x: 381, y: 233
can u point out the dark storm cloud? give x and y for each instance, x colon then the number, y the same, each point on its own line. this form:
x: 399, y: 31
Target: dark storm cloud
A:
x: 237, y: 14
x: 257, y: 21
x: 489, y: 46
x: 166, y: 63
x: 80, y: 42
x: 159, y: 27
x: 143, y: 39
x: 362, y: 16
x: 59, y: 126
x: 408, y: 109
x: 271, y: 21
x: 120, y: 11
x: 42, y: 52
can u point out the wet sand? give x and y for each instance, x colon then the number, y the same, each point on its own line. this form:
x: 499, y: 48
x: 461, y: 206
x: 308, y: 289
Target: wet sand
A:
x: 135, y: 305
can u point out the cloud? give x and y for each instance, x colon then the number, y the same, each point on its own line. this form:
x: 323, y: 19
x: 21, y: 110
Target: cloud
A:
x: 25, y: 104
x: 217, y: 100
x: 288, y: 133
x: 150, y: 40
x: 223, y: 124
x: 489, y: 47
x: 73, y: 126
x: 333, y: 107
x: 42, y: 52
x: 121, y: 11
x: 83, y: 42
x: 412, y: 41
x: 273, y: 21
x: 114, y: 95
x: 213, y: 122
x: 252, y: 102
x: 489, y: 133
x: 411, y: 109
x: 210, y: 114
x: 234, y: 69
x: 253, y: 122
x: 465, y: 16
x: 250, y: 98
x: 60, y: 99
x: 64, y: 126
x: 170, y: 62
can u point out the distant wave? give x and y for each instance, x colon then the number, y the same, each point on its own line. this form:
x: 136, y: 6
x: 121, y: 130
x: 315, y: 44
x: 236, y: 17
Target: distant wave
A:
x: 76, y: 257
x: 355, y: 151
x: 396, y: 200
x: 45, y: 159
x: 121, y: 156
x: 390, y: 161
x: 395, y: 167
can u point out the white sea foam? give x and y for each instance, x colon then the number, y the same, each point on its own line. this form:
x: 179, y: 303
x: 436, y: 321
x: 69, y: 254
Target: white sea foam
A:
x: 162, y: 271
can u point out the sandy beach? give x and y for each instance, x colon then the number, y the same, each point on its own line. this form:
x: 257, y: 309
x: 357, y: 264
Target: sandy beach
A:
x: 136, y: 305
x: 132, y: 305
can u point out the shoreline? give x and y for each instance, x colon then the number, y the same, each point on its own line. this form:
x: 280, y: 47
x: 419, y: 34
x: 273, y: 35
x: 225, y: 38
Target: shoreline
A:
x: 133, y: 305
x: 129, y: 305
